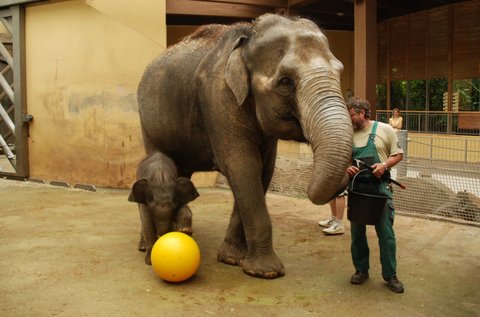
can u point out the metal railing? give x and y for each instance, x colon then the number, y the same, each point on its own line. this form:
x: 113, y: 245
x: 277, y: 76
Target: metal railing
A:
x: 465, y: 149
x: 446, y: 122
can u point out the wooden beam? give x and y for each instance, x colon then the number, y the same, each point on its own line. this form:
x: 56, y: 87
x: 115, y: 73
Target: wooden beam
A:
x: 209, y: 8
x: 365, y: 42
x: 333, y: 7
x: 266, y: 3
x: 330, y: 21
x: 300, y: 3
x: 329, y: 13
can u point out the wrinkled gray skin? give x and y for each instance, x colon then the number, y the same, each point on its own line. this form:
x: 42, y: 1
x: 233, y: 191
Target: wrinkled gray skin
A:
x: 221, y: 99
x: 162, y: 199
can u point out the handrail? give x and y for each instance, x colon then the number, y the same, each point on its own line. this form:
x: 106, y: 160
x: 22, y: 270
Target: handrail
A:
x: 446, y: 122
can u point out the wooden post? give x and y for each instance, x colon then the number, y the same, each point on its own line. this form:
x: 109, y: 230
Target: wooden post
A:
x: 365, y: 43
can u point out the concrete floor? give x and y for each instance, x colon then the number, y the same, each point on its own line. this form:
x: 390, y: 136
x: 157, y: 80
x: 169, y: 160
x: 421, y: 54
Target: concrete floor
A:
x: 68, y: 252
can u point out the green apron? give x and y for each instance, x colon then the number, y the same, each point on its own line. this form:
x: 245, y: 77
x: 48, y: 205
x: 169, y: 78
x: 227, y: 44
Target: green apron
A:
x: 367, y: 183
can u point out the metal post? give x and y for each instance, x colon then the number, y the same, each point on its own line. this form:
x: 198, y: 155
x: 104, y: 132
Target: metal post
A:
x: 403, y: 142
x: 431, y: 147
x: 466, y: 150
x: 21, y: 115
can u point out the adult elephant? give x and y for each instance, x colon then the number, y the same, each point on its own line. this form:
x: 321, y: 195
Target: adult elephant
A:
x: 222, y: 97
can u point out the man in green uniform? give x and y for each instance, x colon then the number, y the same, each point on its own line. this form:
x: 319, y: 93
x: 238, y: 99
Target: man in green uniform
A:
x: 376, y: 144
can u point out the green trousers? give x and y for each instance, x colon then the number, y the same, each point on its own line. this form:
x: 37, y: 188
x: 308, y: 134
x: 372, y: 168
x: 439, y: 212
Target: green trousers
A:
x: 386, y: 242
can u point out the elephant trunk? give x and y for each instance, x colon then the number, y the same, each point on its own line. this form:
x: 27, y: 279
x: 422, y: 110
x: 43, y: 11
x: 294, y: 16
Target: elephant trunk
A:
x: 162, y: 227
x: 327, y: 127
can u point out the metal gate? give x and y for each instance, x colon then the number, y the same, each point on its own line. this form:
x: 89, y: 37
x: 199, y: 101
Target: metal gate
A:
x: 13, y: 116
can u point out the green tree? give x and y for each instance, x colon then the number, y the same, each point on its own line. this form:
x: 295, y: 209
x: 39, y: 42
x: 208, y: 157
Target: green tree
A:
x: 436, y: 88
x: 398, y: 94
x: 381, y: 91
x: 468, y: 90
x: 417, y: 95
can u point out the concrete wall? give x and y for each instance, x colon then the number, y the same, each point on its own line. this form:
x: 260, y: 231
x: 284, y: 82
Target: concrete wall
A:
x: 84, y: 61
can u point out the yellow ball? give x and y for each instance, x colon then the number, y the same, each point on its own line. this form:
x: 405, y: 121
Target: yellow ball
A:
x: 175, y: 257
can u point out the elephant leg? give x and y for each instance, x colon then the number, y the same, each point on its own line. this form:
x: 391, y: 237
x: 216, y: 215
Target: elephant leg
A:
x: 269, y: 156
x: 147, y: 143
x: 141, y: 242
x: 261, y: 260
x: 248, y: 182
x: 149, y: 231
x: 265, y: 264
x: 183, y: 221
x: 234, y: 247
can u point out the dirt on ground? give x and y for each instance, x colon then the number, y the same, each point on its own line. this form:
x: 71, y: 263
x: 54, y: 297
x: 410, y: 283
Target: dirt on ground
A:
x: 70, y: 252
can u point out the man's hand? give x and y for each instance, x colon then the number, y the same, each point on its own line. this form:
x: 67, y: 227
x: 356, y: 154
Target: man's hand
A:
x: 352, y: 170
x: 379, y: 169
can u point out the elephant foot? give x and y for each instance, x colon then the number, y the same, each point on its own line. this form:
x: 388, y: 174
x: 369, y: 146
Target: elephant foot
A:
x: 186, y: 230
x: 265, y: 266
x: 231, y: 255
x: 141, y: 245
x: 148, y: 260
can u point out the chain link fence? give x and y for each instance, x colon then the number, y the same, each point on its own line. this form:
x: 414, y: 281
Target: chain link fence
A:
x: 441, y: 175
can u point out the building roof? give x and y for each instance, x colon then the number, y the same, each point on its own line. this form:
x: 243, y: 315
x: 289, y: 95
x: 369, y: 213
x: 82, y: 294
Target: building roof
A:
x: 332, y: 15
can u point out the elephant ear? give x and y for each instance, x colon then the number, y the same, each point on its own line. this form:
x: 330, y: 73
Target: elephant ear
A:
x: 186, y: 191
x: 138, y: 192
x: 236, y: 74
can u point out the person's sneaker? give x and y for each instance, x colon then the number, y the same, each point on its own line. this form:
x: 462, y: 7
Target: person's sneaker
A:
x: 359, y: 278
x: 335, y: 228
x: 395, y: 285
x: 326, y: 223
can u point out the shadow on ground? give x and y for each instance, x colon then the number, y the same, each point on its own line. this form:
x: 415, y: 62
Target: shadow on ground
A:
x: 67, y: 252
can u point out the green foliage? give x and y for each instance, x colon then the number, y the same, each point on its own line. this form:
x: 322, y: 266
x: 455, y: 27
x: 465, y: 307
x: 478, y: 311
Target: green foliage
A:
x: 436, y: 88
x: 414, y: 94
x: 398, y: 94
x: 411, y: 93
x: 469, y: 92
x: 417, y: 94
x: 381, y: 91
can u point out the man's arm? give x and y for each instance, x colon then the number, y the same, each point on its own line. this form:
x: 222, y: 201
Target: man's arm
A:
x: 381, y: 168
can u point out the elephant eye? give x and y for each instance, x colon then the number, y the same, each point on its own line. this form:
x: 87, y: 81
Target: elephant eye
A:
x: 286, y: 85
x: 286, y: 81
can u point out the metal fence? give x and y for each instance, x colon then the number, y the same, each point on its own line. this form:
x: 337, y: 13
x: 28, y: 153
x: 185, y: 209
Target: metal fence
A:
x: 459, y: 149
x: 438, y: 122
x: 441, y: 174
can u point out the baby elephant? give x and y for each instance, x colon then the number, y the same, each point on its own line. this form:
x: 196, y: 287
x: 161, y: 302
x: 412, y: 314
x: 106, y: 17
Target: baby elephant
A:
x: 162, y: 199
